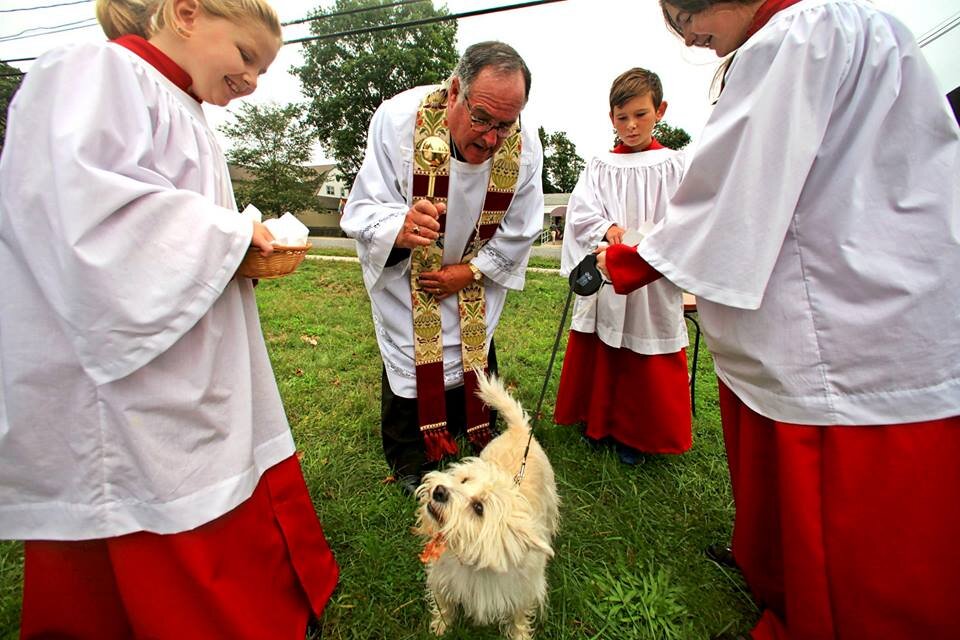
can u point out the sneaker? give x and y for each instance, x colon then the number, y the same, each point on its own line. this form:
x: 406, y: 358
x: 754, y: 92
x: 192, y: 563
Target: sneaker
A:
x: 409, y: 483
x: 628, y: 455
x: 721, y: 554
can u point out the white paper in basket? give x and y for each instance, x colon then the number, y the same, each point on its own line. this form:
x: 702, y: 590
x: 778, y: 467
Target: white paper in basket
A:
x: 288, y: 231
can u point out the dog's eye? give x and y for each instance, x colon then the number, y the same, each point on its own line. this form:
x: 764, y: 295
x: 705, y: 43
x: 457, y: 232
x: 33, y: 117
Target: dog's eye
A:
x: 464, y: 481
x: 478, y: 508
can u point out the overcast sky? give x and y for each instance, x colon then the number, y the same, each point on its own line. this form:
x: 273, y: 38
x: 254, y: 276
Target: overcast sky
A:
x: 574, y: 48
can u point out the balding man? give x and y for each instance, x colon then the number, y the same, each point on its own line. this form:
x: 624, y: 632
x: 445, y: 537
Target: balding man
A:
x: 444, y: 210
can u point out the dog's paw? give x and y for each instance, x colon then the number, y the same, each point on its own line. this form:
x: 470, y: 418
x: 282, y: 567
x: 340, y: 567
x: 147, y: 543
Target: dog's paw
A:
x: 520, y: 627
x: 438, y: 626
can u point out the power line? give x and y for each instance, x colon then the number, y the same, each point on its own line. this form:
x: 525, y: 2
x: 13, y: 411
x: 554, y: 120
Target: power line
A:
x: 68, y: 27
x: 423, y: 21
x: 46, y: 6
x: 939, y: 31
x: 350, y: 11
x: 938, y: 26
x: 329, y: 36
x: 20, y: 36
x: 47, y: 33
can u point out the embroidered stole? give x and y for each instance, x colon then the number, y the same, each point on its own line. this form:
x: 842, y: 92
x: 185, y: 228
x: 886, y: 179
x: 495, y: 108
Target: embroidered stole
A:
x: 431, y: 180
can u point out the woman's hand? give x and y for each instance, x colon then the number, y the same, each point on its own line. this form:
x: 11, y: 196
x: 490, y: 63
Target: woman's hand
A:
x: 421, y: 225
x: 262, y: 239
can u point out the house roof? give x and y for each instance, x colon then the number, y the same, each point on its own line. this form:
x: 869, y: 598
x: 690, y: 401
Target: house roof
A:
x: 243, y: 174
x: 555, y: 199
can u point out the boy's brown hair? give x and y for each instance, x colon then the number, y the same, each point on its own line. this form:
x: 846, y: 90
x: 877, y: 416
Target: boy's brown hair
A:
x: 635, y: 82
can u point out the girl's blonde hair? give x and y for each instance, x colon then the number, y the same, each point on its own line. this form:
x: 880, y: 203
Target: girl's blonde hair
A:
x: 146, y: 17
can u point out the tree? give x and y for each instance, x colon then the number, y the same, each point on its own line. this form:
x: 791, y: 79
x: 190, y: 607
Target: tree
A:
x: 671, y: 137
x: 275, y: 144
x: 561, y: 164
x: 346, y: 79
x: 9, y: 83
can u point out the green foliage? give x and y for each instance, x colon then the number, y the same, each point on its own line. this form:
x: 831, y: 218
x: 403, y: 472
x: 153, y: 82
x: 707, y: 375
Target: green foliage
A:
x: 347, y: 78
x: 561, y: 164
x: 274, y: 143
x: 671, y: 137
x: 635, y: 602
x: 8, y: 86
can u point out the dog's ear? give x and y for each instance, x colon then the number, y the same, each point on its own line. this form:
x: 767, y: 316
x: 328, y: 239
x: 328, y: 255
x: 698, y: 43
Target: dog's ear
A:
x: 519, y: 537
x: 536, y: 542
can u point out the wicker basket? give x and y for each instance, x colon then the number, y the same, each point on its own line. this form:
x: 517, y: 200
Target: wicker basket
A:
x: 283, y: 261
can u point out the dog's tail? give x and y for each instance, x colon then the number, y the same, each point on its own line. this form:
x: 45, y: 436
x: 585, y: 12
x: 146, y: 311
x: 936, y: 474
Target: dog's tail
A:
x: 492, y: 391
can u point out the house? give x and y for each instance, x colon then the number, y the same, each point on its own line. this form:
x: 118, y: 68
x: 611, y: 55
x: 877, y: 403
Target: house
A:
x: 324, y: 220
x: 331, y: 196
x: 554, y: 216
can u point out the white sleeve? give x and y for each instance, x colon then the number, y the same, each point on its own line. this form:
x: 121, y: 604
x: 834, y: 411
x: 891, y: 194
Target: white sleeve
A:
x: 128, y: 261
x: 504, y: 258
x: 729, y: 217
x: 377, y: 204
x: 587, y: 220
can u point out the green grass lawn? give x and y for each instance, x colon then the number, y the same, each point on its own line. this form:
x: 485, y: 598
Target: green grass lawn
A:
x: 629, y: 561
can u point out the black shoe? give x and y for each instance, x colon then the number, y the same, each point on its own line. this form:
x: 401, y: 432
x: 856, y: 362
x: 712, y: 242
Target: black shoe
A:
x: 409, y: 483
x: 596, y: 445
x: 722, y: 555
x: 628, y: 455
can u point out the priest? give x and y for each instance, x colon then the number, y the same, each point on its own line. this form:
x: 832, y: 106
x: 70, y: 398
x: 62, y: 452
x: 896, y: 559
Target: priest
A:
x: 445, y: 209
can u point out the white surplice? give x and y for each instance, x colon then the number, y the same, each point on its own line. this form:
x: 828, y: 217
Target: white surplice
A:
x: 379, y: 200
x: 135, y: 388
x: 630, y: 190
x: 818, y: 224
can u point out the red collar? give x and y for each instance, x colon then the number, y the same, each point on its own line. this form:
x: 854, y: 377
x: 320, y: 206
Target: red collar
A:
x: 766, y: 11
x: 622, y: 148
x: 161, y: 61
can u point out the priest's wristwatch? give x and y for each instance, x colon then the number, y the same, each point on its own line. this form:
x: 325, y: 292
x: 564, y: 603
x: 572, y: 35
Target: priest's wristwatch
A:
x: 477, y: 274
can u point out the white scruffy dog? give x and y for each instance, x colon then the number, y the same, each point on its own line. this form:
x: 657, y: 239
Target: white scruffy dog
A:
x: 489, y: 538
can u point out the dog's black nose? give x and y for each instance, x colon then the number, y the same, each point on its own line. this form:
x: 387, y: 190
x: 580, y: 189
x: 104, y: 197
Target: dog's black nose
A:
x: 440, y: 493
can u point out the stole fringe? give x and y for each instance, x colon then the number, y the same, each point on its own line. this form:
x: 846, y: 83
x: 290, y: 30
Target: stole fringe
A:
x: 479, y: 437
x: 439, y: 443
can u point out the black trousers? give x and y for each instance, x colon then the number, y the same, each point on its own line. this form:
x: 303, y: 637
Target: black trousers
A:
x: 400, y: 428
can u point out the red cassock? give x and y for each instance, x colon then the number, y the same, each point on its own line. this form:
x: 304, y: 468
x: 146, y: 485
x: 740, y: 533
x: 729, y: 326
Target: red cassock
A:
x: 833, y: 530
x: 642, y: 401
x: 258, y: 571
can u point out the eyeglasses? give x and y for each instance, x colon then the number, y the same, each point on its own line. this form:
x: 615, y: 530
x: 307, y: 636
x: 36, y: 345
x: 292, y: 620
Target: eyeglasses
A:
x: 483, y: 125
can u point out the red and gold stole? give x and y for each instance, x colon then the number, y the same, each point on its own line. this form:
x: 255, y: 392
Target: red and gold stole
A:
x: 431, y: 179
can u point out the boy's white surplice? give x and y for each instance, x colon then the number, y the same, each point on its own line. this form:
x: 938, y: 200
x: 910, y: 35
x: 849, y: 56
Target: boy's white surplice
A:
x: 810, y: 252
x: 632, y: 191
x: 136, y: 391
x: 379, y: 200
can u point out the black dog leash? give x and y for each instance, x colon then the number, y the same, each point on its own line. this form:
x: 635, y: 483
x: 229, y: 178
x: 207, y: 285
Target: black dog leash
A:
x: 585, y: 280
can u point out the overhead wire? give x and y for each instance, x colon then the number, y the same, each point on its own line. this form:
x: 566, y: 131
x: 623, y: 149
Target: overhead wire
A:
x: 20, y: 36
x: 385, y: 27
x: 420, y: 22
x: 940, y: 30
x: 372, y: 7
x: 46, y: 6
